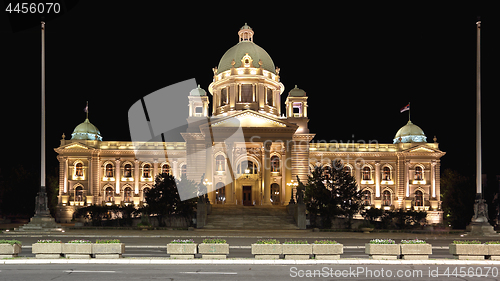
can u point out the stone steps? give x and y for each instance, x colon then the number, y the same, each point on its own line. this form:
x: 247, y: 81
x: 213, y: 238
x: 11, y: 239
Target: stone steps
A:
x: 249, y: 217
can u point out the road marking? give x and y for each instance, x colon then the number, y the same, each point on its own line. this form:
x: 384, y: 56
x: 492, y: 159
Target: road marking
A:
x: 199, y: 272
x: 90, y: 271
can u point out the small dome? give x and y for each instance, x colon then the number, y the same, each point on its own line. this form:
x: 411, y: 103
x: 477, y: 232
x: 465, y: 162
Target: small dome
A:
x: 410, y: 133
x: 86, y: 131
x: 296, y: 92
x: 198, y: 92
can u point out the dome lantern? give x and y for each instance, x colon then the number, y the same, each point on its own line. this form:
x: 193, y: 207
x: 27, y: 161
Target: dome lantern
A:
x: 246, y: 33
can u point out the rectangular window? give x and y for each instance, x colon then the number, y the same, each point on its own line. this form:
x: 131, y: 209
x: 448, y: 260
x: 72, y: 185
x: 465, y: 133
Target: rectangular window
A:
x: 269, y: 97
x: 223, y: 96
x: 246, y: 93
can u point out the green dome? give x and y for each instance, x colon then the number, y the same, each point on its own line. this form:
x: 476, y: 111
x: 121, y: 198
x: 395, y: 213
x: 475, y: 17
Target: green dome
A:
x: 198, y: 92
x: 237, y: 52
x: 410, y: 133
x: 86, y: 131
x: 297, y: 92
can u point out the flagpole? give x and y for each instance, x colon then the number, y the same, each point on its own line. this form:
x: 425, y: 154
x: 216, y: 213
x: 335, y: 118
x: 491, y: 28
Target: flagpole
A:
x: 42, y: 169
x: 409, y: 108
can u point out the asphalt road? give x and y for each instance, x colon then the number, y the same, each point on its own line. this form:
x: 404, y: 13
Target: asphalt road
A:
x: 246, y: 272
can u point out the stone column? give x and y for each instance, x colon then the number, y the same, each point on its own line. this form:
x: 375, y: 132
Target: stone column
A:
x: 65, y: 186
x: 155, y: 169
x: 377, y: 178
x: 175, y: 169
x: 407, y: 178
x: 433, y: 176
x: 89, y: 175
x: 136, y: 176
x: 357, y: 173
x: 230, y: 187
x: 117, y: 175
x: 267, y: 173
x: 287, y: 170
x: 208, y: 171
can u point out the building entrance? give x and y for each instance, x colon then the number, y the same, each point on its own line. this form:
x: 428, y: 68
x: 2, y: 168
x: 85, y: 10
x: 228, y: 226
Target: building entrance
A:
x: 247, y: 196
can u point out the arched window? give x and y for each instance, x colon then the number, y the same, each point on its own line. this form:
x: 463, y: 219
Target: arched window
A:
x: 386, y: 198
x: 79, y: 193
x: 165, y: 169
x: 347, y: 170
x: 127, y: 171
x: 109, y: 170
x: 145, y: 193
x: 127, y: 194
x: 386, y: 174
x: 220, y: 192
x: 418, y: 173
x: 146, y: 171
x: 367, y: 198
x: 275, y: 164
x: 223, y: 96
x: 184, y: 170
x: 275, y: 194
x: 220, y: 163
x: 270, y: 97
x: 247, y: 167
x: 367, y: 173
x: 108, y: 194
x: 419, y: 198
x: 79, y: 170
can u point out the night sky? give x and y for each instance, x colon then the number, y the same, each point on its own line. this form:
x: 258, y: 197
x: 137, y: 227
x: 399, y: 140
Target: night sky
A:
x: 357, y: 67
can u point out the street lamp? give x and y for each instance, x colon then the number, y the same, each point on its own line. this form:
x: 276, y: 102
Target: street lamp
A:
x: 292, y: 184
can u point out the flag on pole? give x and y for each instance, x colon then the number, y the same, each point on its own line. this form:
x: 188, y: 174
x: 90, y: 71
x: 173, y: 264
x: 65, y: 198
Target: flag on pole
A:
x: 86, y: 108
x: 405, y: 108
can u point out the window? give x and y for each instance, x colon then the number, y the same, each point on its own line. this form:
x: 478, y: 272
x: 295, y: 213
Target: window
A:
x: 386, y: 174
x: 146, y: 171
x: 109, y: 170
x: 223, y: 96
x: 246, y: 94
x: 220, y: 192
x: 419, y: 198
x: 275, y: 164
x: 367, y: 173
x: 108, y: 194
x: 386, y: 198
x: 127, y: 171
x: 127, y: 194
x: 247, y: 167
x: 220, y: 163
x: 269, y: 97
x: 367, y: 198
x: 275, y: 194
x: 347, y: 170
x: 418, y: 173
x: 79, y: 194
x: 165, y: 169
x: 184, y: 171
x: 79, y: 170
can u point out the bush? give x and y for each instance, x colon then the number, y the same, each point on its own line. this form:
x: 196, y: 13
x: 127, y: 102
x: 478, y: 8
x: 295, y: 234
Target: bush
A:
x: 11, y: 242
x: 382, y: 241
x: 466, y: 242
x: 110, y: 241
x: 296, y: 242
x: 325, y: 242
x: 492, y: 242
x: 413, y: 241
x: 214, y: 241
x: 79, y: 241
x: 48, y: 241
x: 180, y: 241
x: 267, y: 241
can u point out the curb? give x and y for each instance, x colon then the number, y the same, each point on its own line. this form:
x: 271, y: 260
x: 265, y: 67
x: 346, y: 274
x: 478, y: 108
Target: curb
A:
x: 251, y: 262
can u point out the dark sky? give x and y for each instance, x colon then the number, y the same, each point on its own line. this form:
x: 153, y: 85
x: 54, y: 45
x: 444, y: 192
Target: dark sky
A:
x: 358, y: 67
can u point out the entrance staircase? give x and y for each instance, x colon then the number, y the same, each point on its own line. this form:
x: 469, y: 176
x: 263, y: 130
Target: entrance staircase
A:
x: 250, y: 217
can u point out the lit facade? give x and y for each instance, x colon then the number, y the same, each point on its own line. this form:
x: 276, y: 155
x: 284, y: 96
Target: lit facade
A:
x: 246, y: 92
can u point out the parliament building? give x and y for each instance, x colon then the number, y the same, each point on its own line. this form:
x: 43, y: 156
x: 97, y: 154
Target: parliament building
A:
x: 246, y: 92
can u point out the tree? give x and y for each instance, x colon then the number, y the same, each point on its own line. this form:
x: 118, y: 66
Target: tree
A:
x: 457, y: 194
x: 163, y: 199
x: 331, y: 191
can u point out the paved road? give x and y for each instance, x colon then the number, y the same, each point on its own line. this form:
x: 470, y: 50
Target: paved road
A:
x: 246, y: 272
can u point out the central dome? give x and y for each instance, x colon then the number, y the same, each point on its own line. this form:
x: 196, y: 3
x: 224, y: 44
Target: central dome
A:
x: 410, y: 133
x: 246, y: 46
x: 86, y: 131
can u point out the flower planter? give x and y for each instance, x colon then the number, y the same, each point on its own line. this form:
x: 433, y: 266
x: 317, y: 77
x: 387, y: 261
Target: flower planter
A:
x: 47, y: 250
x: 416, y: 251
x: 108, y: 250
x: 383, y: 251
x: 181, y: 251
x: 213, y: 250
x: 9, y: 251
x: 297, y: 251
x: 267, y: 251
x: 469, y: 251
x: 493, y: 251
x: 77, y: 250
x: 327, y: 251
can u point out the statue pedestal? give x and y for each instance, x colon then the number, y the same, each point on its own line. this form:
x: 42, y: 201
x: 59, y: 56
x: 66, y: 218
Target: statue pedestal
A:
x: 479, y: 225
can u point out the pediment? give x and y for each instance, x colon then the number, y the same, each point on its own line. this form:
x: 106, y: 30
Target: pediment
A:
x: 248, y: 119
x: 423, y: 149
x: 75, y: 145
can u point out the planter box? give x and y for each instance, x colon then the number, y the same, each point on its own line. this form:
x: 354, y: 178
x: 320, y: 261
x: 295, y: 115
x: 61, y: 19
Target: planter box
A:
x: 469, y: 251
x: 77, y: 251
x: 416, y: 251
x: 9, y: 251
x: 213, y: 250
x: 47, y: 250
x: 327, y: 251
x: 182, y: 251
x: 267, y: 251
x: 108, y: 251
x: 382, y: 251
x: 493, y: 251
x: 297, y: 251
